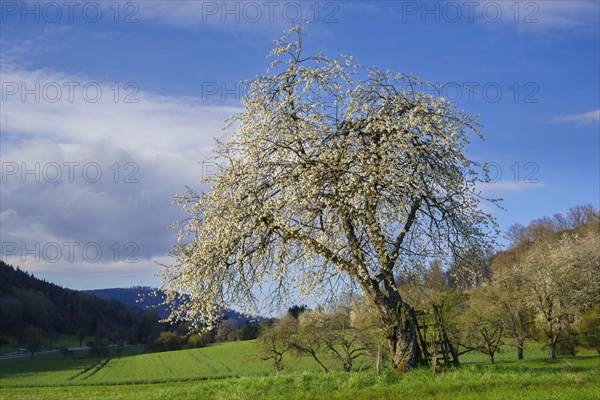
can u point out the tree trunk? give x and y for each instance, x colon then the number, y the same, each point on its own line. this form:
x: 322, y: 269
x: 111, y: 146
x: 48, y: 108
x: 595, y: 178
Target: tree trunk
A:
x: 520, y: 350
x: 403, y: 346
x: 378, y: 358
x: 552, y: 345
x: 445, y: 354
x: 323, y: 367
x: 399, y: 324
x: 316, y: 358
x: 454, y: 353
x: 491, y: 358
x: 453, y: 350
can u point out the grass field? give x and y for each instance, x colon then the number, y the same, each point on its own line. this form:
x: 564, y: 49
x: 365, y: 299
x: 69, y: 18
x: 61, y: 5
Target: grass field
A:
x: 234, y: 371
x: 61, y: 340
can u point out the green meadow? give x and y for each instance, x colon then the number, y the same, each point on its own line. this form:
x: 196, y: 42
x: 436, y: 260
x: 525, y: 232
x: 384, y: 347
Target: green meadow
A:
x: 235, y: 371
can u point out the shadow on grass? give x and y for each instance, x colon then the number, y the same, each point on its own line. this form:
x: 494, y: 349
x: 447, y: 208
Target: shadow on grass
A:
x: 579, y: 363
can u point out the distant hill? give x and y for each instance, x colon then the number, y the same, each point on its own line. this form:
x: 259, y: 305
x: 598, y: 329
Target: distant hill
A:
x: 142, y: 298
x: 136, y: 296
x: 27, y: 301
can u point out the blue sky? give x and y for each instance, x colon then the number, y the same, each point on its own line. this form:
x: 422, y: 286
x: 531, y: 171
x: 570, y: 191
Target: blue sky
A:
x: 138, y: 96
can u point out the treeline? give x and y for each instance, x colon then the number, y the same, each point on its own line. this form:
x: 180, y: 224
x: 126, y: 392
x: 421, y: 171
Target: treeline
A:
x: 227, y: 330
x: 544, y: 287
x: 36, y: 311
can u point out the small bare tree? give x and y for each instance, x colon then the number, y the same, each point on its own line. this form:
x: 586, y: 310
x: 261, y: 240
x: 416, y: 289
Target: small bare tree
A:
x: 483, y: 323
x: 35, y: 339
x: 345, y: 342
x: 512, y: 288
x: 310, y: 339
x: 275, y: 340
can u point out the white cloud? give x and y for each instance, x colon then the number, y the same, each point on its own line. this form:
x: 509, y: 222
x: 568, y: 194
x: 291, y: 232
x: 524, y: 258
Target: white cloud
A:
x: 258, y: 15
x: 503, y: 190
x: 562, y: 14
x: 494, y: 189
x: 539, y: 16
x: 581, y: 118
x: 151, y: 125
x: 236, y: 15
x: 52, y: 194
x: 87, y: 275
x: 523, y: 15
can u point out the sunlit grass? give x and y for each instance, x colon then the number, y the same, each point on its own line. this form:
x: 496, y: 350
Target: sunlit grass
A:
x: 234, y: 371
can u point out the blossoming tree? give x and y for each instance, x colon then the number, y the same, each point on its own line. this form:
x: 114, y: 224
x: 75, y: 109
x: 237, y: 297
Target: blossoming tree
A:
x: 334, y: 171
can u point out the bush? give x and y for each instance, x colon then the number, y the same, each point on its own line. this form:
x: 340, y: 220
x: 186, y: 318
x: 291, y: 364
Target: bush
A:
x: 567, y: 347
x: 167, y: 341
x: 198, y: 340
x: 249, y: 332
x: 588, y: 328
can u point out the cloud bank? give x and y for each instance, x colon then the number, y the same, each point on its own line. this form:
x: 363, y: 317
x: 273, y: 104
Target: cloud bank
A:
x: 88, y: 172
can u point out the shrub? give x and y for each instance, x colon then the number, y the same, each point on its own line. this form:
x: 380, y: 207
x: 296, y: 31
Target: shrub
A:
x: 588, y: 328
x: 167, y: 341
x: 249, y: 332
x: 198, y: 340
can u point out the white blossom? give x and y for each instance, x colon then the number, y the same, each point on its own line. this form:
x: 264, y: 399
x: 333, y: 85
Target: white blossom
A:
x: 335, y: 170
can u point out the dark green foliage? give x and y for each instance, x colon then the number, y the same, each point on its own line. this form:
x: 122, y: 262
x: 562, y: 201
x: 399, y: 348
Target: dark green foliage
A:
x: 249, y: 332
x: 588, y: 328
x: 34, y: 339
x: 4, y: 340
x: 64, y: 350
x: 296, y: 310
x: 26, y: 300
x: 567, y: 346
x: 99, y: 347
x: 81, y: 333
